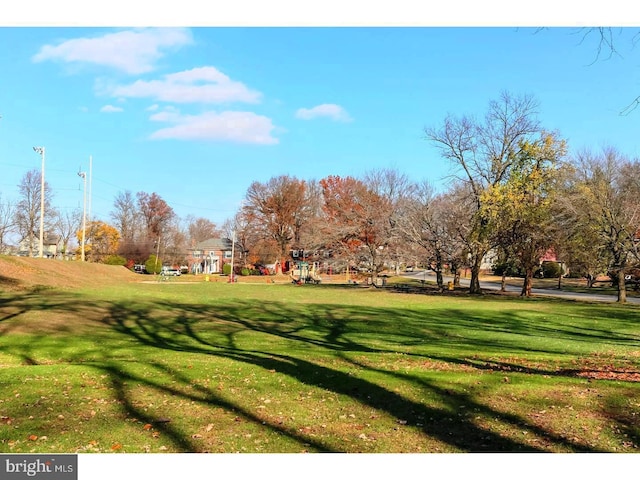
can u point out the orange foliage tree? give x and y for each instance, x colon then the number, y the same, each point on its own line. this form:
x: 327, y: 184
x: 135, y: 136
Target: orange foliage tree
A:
x: 357, y: 220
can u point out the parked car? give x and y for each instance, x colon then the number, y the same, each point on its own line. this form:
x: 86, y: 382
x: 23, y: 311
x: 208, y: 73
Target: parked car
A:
x: 171, y: 271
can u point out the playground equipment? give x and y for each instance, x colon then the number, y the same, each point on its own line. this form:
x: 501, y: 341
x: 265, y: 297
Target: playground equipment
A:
x: 305, y: 273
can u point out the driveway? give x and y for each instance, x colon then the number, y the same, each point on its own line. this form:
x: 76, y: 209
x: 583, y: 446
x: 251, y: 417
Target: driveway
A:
x: 495, y: 285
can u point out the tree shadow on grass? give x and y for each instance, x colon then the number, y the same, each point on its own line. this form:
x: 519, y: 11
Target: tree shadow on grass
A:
x: 121, y: 380
x: 437, y: 422
x: 220, y: 332
x: 179, y: 335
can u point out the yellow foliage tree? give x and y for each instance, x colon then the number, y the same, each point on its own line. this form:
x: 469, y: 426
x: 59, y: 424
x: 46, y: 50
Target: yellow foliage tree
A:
x: 101, y: 240
x: 521, y: 209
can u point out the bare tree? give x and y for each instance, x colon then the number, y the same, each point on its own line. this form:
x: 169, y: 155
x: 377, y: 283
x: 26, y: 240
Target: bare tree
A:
x: 311, y: 220
x: 66, y: 225
x: 7, y: 221
x: 134, y: 244
x: 175, y: 243
x: 27, y: 212
x: 397, y: 188
x: 125, y: 215
x: 607, y: 47
x: 483, y: 153
x: 200, y: 229
x: 432, y: 223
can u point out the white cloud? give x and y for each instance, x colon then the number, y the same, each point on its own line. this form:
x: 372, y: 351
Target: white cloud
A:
x: 238, y: 127
x: 111, y: 109
x: 131, y: 51
x: 198, y: 85
x: 329, y: 110
x: 169, y: 114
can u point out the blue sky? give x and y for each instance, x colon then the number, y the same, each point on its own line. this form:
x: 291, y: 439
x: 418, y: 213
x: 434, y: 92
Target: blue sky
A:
x: 197, y: 114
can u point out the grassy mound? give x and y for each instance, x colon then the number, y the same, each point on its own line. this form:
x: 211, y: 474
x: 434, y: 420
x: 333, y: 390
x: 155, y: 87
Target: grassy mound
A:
x: 22, y: 273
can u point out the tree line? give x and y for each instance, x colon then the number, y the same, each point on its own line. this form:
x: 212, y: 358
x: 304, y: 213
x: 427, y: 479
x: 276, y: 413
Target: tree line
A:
x: 513, y: 192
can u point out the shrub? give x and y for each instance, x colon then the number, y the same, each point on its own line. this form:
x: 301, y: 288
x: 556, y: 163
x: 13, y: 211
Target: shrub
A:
x: 226, y: 269
x: 115, y: 260
x: 153, y: 265
x: 507, y: 268
x: 245, y: 272
x: 551, y: 269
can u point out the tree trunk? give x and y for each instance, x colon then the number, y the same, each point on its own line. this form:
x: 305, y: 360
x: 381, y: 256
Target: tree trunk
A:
x: 474, y: 283
x: 439, y: 278
x: 503, y: 282
x: 526, y: 285
x: 622, y: 288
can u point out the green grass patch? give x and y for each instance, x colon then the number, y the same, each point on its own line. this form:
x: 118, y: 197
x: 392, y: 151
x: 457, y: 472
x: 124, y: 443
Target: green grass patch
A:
x: 214, y: 367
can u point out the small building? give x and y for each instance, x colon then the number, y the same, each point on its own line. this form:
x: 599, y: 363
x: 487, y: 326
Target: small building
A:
x: 210, y: 255
x: 50, y: 246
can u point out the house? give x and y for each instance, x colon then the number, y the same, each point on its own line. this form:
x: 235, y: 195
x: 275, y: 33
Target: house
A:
x: 50, y: 246
x: 210, y: 255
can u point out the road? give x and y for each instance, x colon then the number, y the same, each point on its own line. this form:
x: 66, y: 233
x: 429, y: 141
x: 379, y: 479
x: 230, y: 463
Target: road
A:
x: 493, y: 285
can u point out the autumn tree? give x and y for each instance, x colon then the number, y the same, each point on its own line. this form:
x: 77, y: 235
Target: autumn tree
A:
x: 279, y: 208
x: 483, y: 152
x: 521, y: 208
x: 254, y: 243
x: 101, y: 240
x: 27, y: 212
x: 156, y: 213
x: 577, y: 242
x: 357, y: 220
x: 607, y: 198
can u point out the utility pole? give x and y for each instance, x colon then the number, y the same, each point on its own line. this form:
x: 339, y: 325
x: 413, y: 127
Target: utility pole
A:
x: 84, y: 214
x: 90, y: 186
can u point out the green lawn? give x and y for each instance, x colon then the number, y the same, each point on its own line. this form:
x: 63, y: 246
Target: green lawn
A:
x: 216, y: 367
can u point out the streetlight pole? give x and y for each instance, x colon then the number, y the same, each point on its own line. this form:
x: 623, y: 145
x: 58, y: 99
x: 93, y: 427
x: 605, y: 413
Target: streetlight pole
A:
x: 84, y: 214
x: 90, y: 186
x: 40, y: 150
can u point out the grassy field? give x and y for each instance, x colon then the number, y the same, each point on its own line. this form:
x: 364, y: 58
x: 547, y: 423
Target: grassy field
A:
x: 112, y: 364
